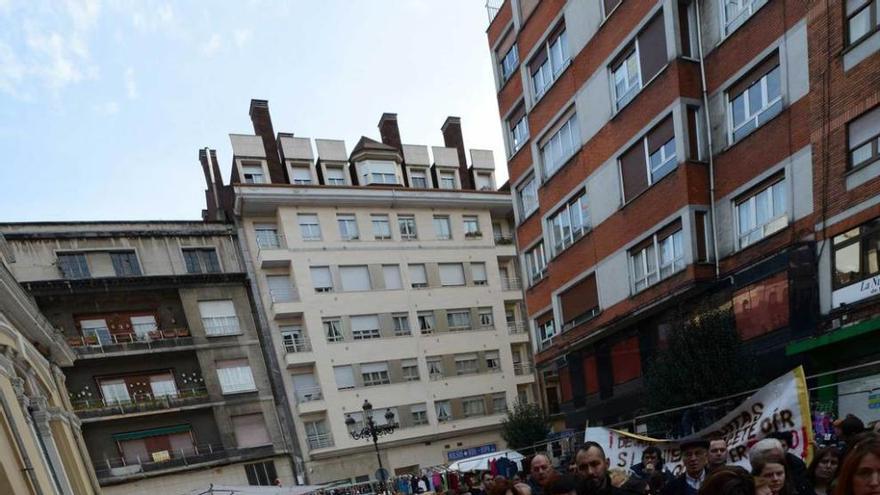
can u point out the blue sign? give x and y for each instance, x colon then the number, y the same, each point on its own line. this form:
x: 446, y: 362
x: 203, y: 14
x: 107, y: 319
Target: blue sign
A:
x: 457, y: 455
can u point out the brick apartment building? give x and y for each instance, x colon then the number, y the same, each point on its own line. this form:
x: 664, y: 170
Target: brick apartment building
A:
x: 668, y: 155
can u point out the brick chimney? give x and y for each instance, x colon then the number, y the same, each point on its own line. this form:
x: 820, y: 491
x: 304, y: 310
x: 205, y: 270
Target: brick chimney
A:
x: 452, y: 139
x: 217, y: 196
x: 389, y: 131
x: 262, y: 122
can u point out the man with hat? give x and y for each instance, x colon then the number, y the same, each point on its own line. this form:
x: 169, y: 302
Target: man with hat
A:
x: 695, y: 457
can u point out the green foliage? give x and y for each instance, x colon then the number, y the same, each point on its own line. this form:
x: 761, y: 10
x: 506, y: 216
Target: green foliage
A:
x: 524, y: 426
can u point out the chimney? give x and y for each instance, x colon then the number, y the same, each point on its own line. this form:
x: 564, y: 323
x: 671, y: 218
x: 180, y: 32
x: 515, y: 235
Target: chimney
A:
x: 214, y: 193
x: 263, y: 127
x: 389, y: 131
x: 452, y: 139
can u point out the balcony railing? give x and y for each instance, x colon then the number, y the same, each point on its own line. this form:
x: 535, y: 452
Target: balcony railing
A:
x: 516, y: 327
x: 284, y: 295
x: 503, y: 240
x: 510, y: 283
x: 320, y: 441
x: 155, y: 339
x: 309, y: 394
x: 115, y: 468
x: 522, y: 368
x: 492, y: 8
x: 302, y: 344
x: 92, y: 408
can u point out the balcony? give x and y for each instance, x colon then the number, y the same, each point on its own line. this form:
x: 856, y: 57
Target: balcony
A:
x: 100, y: 407
x: 320, y: 441
x: 299, y: 344
x: 92, y: 345
x: 511, y: 283
x: 517, y: 327
x: 520, y: 369
x: 308, y: 394
x: 282, y: 299
x: 272, y: 257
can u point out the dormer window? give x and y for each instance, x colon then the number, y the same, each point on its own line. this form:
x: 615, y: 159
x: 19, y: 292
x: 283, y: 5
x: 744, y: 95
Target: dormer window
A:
x: 418, y: 179
x: 302, y: 176
x: 447, y: 180
x: 485, y: 182
x: 252, y: 173
x: 379, y: 172
x: 335, y: 176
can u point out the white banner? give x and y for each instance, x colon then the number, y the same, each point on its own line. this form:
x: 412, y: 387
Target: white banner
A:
x: 781, y: 405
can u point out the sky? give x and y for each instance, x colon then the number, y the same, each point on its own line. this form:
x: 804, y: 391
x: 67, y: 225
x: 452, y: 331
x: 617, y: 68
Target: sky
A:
x: 104, y: 104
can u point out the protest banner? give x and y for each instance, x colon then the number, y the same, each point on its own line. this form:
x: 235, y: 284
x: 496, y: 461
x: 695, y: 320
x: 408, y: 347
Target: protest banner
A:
x: 781, y: 405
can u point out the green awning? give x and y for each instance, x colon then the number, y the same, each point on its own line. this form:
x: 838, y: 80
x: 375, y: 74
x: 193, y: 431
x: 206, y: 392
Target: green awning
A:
x: 152, y: 432
x: 834, y: 337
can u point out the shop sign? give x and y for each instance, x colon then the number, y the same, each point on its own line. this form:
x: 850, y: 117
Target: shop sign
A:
x: 856, y: 292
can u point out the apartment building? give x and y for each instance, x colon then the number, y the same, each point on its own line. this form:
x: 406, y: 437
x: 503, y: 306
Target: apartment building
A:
x: 166, y: 374
x: 667, y: 156
x: 389, y: 274
x: 42, y: 445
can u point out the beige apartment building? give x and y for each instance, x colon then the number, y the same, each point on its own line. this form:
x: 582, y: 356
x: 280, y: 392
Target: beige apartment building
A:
x: 386, y: 274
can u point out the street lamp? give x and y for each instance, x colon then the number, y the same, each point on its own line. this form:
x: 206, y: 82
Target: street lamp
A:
x: 373, y: 431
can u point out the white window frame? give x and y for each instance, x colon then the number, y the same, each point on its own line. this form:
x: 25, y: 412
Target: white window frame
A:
x: 536, y: 263
x: 219, y: 326
x: 443, y: 220
x: 310, y: 231
x: 377, y: 220
x: 509, y: 63
x: 426, y: 321
x: 552, y: 67
x: 493, y: 360
x: 419, y: 414
x: 444, y: 411
x: 478, y: 273
x: 666, y: 152
x: 322, y: 288
x: 458, y: 320
x: 366, y: 333
x: 435, y: 367
x: 400, y: 323
x: 519, y: 134
x: 348, y: 227
x: 467, y: 365
x: 375, y: 378
x: 747, y: 8
x: 333, y: 329
x: 663, y: 268
x: 420, y: 174
x: 752, y: 117
x: 546, y: 332
x: 486, y: 317
x: 424, y: 270
x: 264, y: 239
x: 301, y: 181
x: 473, y: 407
x: 555, y: 152
x: 447, y: 180
x: 774, y: 223
x: 404, y: 222
x: 632, y: 88
x: 527, y: 189
x: 574, y: 212
x: 471, y: 226
x: 335, y: 181
x: 409, y: 369
x: 248, y: 169
x: 243, y: 375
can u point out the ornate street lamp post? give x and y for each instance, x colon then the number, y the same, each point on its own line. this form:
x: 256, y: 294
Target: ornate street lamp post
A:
x: 373, y: 431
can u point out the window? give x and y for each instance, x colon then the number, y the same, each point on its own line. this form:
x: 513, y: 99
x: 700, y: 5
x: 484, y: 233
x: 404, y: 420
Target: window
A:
x: 309, y: 227
x: 560, y: 146
x: 375, y: 374
x: 863, y: 137
x: 447, y: 180
x: 663, y: 250
x: 418, y: 178
x: 569, y: 223
x: 73, y: 265
x: 442, y: 229
x: 250, y: 430
x: 649, y: 160
x: 451, y: 274
x: 318, y: 435
x: 478, y: 271
x: 125, y: 263
x: 471, y: 226
x: 484, y: 181
x: 549, y: 62
x: 381, y: 227
x: 426, y: 322
x: 527, y: 194
x: 486, y: 318
x: 267, y: 235
x: 410, y: 370
x: 473, y: 406
x: 458, y: 320
x: 755, y: 99
x: 401, y: 325
x: 435, y: 367
x: 610, y: 5
x: 579, y: 303
x: 253, y: 173
x: 391, y: 273
x: 114, y: 391
x: 536, y: 263
x: 444, y: 411
x: 419, y: 414
x: 518, y: 124
x: 335, y: 176
x: 322, y: 280
x: 143, y: 325
x: 280, y: 288
x: 301, y: 176
x: 499, y: 403
x: 333, y: 330
x: 348, y: 229
x: 379, y: 172
x: 761, y: 214
x: 260, y: 473
x: 407, y: 226
x: 546, y: 328
x: 737, y: 12
x: 365, y: 327
x: 355, y: 278
x: 344, y: 377
x: 862, y: 19
x: 235, y: 376
x: 627, y: 81
x: 856, y: 258
x: 418, y: 278
x: 219, y: 318
x: 509, y: 61
x: 98, y: 329
x: 292, y: 338
x: 639, y: 63
x: 201, y: 260
x: 493, y: 361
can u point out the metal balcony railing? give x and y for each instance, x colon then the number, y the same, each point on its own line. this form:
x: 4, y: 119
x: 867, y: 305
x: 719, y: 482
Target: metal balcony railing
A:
x: 320, y: 441
x: 91, y: 408
x: 492, y: 8
x: 516, y: 327
x: 284, y: 295
x: 108, y: 469
x: 302, y: 344
x: 154, y: 339
x: 309, y: 394
x: 510, y: 283
x: 522, y: 368
x: 503, y: 240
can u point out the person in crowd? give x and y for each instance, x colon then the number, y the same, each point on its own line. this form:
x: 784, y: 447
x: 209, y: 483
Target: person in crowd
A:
x: 657, y: 482
x: 860, y: 471
x: 728, y: 480
x: 823, y: 470
x: 694, y: 455
x: 475, y: 485
x: 540, y: 472
x: 797, y: 468
x: 771, y: 466
x: 762, y: 487
x: 652, y: 462
x: 846, y: 429
x: 505, y: 487
x: 562, y: 485
x: 717, y: 454
x: 635, y: 486
x: 618, y: 476
x: 766, y: 446
x: 593, y: 468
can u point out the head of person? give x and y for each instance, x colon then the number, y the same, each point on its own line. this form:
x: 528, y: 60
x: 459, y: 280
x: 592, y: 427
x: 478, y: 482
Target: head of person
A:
x: 539, y: 469
x: 764, y: 447
x: 717, y: 452
x: 823, y: 469
x: 505, y: 487
x: 562, y: 485
x: 785, y: 437
x: 695, y: 456
x: 651, y: 456
x: 848, y: 427
x: 731, y: 480
x: 487, y: 479
x: 591, y: 462
x: 771, y: 467
x: 860, y: 471
x: 618, y: 477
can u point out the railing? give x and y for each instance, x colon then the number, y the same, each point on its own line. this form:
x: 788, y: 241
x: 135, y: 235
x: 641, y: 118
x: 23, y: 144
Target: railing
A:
x: 492, y: 8
x: 436, y: 376
x: 522, y: 368
x: 308, y: 394
x: 503, y: 240
x: 516, y: 327
x: 155, y: 339
x: 283, y: 295
x: 510, y: 283
x: 302, y: 344
x: 90, y: 408
x: 320, y: 441
x: 108, y: 469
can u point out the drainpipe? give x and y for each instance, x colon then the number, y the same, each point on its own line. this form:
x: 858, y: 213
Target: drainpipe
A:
x: 25, y: 459
x: 708, y: 141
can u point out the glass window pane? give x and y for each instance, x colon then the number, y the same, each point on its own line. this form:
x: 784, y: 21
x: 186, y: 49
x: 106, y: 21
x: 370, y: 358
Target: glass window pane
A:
x: 773, y: 85
x: 847, y: 264
x: 860, y: 24
x: 738, y: 108
x: 778, y: 199
x: 762, y: 206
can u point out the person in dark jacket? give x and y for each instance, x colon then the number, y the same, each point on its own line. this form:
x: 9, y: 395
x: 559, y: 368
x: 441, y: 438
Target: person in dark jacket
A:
x: 797, y: 468
x: 652, y: 462
x: 695, y: 457
x: 592, y: 466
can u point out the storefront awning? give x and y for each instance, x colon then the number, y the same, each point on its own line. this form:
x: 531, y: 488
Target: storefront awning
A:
x: 833, y: 337
x: 152, y: 432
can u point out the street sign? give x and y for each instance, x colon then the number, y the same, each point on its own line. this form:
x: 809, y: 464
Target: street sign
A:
x: 382, y: 475
x: 456, y: 455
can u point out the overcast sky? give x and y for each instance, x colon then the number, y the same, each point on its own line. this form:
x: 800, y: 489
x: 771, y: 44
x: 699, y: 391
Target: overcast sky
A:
x: 104, y: 104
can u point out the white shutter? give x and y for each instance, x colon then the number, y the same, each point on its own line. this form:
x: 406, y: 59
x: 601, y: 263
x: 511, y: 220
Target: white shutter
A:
x: 418, y: 408
x: 374, y: 368
x: 216, y: 309
x: 364, y: 322
x: 466, y: 357
x: 451, y: 274
x: 355, y: 278
x: 321, y: 277
x: 479, y: 271
x: 335, y: 173
x: 417, y: 274
x: 344, y: 377
x: 392, y: 276
x: 382, y: 167
x: 250, y: 430
x: 301, y: 173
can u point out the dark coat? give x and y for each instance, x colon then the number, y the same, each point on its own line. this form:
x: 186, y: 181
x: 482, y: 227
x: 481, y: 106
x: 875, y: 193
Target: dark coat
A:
x: 677, y: 486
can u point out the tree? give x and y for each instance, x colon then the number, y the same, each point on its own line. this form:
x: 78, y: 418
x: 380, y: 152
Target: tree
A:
x: 524, y: 426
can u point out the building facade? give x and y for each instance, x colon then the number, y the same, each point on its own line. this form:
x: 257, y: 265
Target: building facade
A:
x: 666, y: 156
x: 168, y: 382
x: 41, y: 445
x: 383, y: 275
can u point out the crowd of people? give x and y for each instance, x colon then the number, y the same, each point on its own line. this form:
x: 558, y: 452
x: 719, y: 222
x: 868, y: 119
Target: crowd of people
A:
x: 851, y: 466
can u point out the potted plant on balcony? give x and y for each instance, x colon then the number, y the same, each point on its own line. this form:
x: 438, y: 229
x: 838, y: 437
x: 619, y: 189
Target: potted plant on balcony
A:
x: 90, y: 340
x: 476, y: 234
